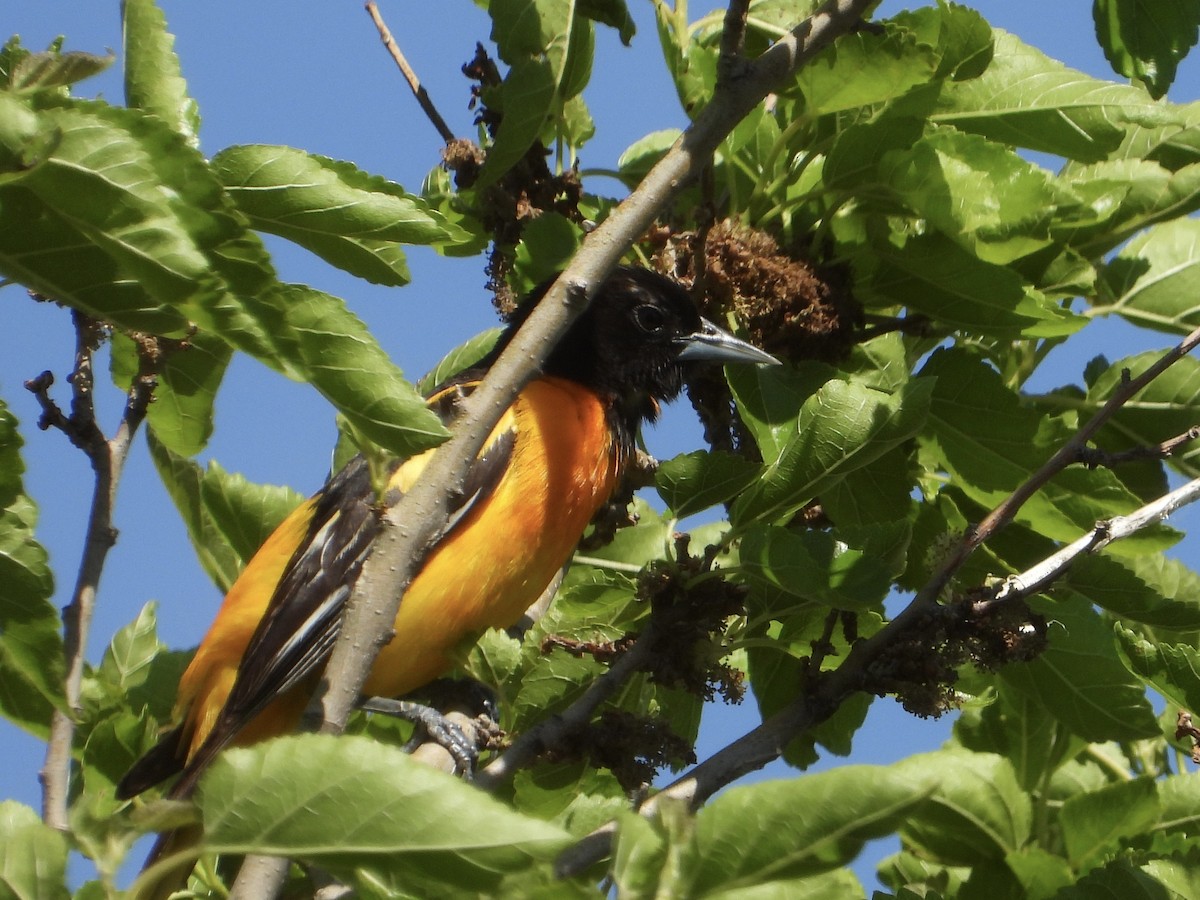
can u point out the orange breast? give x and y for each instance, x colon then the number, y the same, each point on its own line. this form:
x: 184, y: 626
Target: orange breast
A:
x: 485, y: 573
x: 500, y: 558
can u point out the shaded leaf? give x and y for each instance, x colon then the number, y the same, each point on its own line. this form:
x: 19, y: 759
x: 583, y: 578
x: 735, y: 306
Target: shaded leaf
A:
x: 33, y: 856
x: 1080, y: 678
x: 31, y: 650
x: 352, y: 220
x: 1094, y: 823
x: 695, y: 481
x: 1029, y: 100
x: 366, y: 812
x: 1145, y: 39
x: 153, y: 79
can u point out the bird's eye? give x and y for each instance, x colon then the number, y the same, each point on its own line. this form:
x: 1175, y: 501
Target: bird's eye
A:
x: 650, y: 319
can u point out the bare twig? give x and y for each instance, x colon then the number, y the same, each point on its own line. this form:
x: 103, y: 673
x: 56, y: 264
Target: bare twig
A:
x: 550, y: 732
x: 107, y: 459
x: 1037, y: 577
x: 765, y: 743
x: 1094, y: 456
x: 410, y: 76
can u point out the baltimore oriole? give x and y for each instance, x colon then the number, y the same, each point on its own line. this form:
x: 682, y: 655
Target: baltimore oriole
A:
x: 550, y: 463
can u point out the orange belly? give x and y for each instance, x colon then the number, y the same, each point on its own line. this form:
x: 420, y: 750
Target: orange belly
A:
x: 491, y: 567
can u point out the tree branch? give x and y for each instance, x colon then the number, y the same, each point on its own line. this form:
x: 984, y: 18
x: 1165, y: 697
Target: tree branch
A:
x: 410, y: 76
x: 765, y: 743
x: 107, y: 459
x: 411, y: 525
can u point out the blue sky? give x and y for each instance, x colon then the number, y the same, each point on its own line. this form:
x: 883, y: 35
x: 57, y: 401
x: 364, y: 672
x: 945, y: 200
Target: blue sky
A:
x: 315, y: 76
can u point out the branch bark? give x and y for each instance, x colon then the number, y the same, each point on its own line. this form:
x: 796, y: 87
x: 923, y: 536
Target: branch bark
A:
x: 107, y: 458
x: 765, y: 743
x: 413, y: 523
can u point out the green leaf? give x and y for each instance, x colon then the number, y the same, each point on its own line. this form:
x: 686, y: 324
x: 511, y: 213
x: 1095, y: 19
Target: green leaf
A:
x: 124, y: 221
x: 749, y: 837
x: 367, y: 813
x: 153, y: 79
x: 227, y: 518
x: 547, y: 245
x: 614, y: 13
x: 863, y: 68
x: 931, y: 274
x: 1029, y: 100
x: 1080, y: 678
x: 1117, y: 198
x: 31, y: 651
x: 1145, y: 39
x: 182, y: 412
x: 52, y: 69
x: 841, y: 427
x: 1014, y: 725
x: 340, y: 357
x: 33, y: 856
x: 980, y: 194
x: 459, y: 359
x: 1094, y: 823
x: 978, y: 811
x: 528, y: 94
x: 814, y: 566
x: 989, y: 442
x: 350, y: 219
x: 1152, y: 589
x: 769, y: 397
x: 1154, y: 279
x: 693, y: 482
x: 1171, y: 669
x: 1179, y: 798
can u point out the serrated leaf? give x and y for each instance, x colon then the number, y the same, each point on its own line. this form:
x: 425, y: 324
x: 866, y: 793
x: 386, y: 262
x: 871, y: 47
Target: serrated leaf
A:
x: 362, y: 810
x: 1145, y: 39
x: 33, y: 856
x: 931, y: 274
x: 1151, y: 589
x: 814, y: 566
x: 978, y: 193
x: 695, y: 481
x: 864, y: 68
x: 153, y: 79
x: 1093, y: 823
x: 459, y: 359
x: 1029, y: 100
x: 340, y: 357
x: 840, y: 428
x: 51, y: 69
x: 1171, y: 669
x: 1081, y: 680
x: 978, y: 811
x: 1153, y: 281
x: 987, y: 439
x: 242, y: 514
x: 31, y: 651
x: 749, y: 837
x: 182, y: 412
x: 352, y: 220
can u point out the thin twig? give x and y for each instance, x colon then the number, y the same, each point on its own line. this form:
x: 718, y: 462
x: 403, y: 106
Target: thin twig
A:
x: 1104, y: 533
x: 107, y: 459
x: 410, y: 76
x: 410, y: 526
x: 733, y: 39
x: 765, y: 743
x: 550, y: 732
x: 1092, y: 457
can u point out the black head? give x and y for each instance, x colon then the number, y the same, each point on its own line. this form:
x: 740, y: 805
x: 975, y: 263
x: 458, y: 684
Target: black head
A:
x: 636, y: 337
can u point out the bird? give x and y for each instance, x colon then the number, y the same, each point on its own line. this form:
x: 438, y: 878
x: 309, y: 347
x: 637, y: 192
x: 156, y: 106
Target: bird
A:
x: 554, y: 458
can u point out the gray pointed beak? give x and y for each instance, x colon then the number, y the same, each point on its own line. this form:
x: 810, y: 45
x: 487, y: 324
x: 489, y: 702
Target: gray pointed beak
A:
x: 712, y: 344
